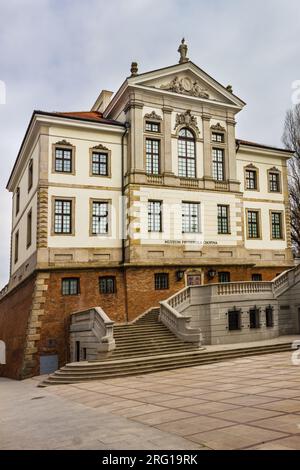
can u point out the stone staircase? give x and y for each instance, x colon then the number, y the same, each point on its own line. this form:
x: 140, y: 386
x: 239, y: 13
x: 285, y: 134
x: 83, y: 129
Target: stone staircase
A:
x: 148, y: 346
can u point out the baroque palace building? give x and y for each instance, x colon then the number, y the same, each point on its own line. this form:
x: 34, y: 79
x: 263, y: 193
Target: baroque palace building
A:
x: 124, y: 205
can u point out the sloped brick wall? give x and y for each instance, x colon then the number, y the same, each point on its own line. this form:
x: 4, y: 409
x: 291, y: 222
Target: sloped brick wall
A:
x: 15, y: 310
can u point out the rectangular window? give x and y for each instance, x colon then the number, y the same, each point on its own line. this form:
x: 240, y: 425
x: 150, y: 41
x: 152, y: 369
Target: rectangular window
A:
x: 218, y: 164
x: 190, y: 217
x: 70, y: 286
x: 269, y: 317
x: 99, y: 164
x: 224, y: 277
x: 29, y: 228
x: 17, y: 201
x: 251, y: 179
x: 161, y: 281
x: 152, y: 126
x: 63, y: 216
x: 274, y: 182
x: 16, y: 246
x: 63, y: 160
x: 234, y: 320
x: 254, y: 318
x: 223, y: 219
x: 253, y: 224
x: 276, y: 221
x: 217, y: 137
x: 30, y: 175
x: 256, y: 277
x: 100, y: 218
x: 154, y: 216
x: 107, y: 285
x: 152, y: 156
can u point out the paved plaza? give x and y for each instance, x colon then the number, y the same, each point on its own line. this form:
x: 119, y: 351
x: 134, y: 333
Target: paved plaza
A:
x: 250, y: 403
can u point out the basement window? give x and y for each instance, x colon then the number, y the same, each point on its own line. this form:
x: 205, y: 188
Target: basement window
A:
x: 254, y: 318
x: 234, y: 320
x: 70, y: 286
x: 161, y: 281
x: 107, y: 285
x: 269, y: 317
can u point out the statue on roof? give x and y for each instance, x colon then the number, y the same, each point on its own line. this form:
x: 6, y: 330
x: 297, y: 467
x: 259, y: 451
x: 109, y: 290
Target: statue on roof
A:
x: 183, y: 49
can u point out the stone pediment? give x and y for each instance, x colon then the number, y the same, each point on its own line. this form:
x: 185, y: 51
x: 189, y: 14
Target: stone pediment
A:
x: 187, y: 80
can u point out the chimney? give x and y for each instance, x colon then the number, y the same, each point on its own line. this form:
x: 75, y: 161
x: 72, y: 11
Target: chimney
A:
x: 102, y: 101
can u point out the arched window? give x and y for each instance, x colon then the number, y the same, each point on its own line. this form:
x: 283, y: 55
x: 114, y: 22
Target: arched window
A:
x: 186, y: 154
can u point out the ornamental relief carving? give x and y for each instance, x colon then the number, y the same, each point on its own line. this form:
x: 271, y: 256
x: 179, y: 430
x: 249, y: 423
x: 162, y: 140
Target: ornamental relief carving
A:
x: 100, y: 147
x: 218, y: 127
x: 186, y: 86
x: 186, y: 119
x: 153, y: 115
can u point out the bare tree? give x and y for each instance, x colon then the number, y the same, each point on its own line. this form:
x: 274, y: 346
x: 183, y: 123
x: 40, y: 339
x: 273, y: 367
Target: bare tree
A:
x: 291, y: 139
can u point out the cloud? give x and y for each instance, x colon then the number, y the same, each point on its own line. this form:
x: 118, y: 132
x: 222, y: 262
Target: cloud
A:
x: 59, y: 54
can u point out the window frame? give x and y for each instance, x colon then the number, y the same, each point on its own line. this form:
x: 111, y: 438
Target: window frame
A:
x: 220, y: 218
x: 185, y: 157
x: 257, y: 312
x: 29, y: 229
x: 190, y: 217
x: 153, y: 230
x: 30, y: 174
x: 107, y: 291
x: 259, y: 226
x: 256, y: 280
x: 100, y: 150
x: 152, y: 155
x: 269, y: 311
x: 238, y: 314
x: 253, y: 169
x: 64, y: 145
x: 150, y: 123
x: 216, y: 164
x: 224, y: 273
x: 72, y: 216
x: 217, y: 134
x: 18, y: 200
x: 69, y: 279
x: 282, y: 227
x: 157, y: 281
x: 274, y: 171
x: 108, y: 216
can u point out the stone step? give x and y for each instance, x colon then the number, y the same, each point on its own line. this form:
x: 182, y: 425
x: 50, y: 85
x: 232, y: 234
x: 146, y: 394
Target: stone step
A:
x: 69, y: 375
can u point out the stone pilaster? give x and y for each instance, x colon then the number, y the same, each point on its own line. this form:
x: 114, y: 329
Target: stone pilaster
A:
x: 30, y: 361
x: 167, y: 141
x: 231, y: 151
x: 136, y: 133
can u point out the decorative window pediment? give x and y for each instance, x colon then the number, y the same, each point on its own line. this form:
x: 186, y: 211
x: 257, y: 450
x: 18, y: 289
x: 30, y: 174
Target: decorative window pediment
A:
x: 153, y: 116
x: 218, y: 128
x: 101, y: 148
x: 186, y: 119
x: 63, y: 143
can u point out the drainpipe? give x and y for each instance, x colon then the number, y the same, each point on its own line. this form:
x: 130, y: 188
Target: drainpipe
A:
x: 127, y: 125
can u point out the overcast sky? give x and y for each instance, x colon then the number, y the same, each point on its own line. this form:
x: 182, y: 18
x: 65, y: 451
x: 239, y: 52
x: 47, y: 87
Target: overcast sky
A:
x: 57, y: 55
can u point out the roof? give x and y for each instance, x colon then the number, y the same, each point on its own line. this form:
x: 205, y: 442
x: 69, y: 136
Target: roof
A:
x: 263, y: 146
x: 88, y: 116
x: 94, y: 116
